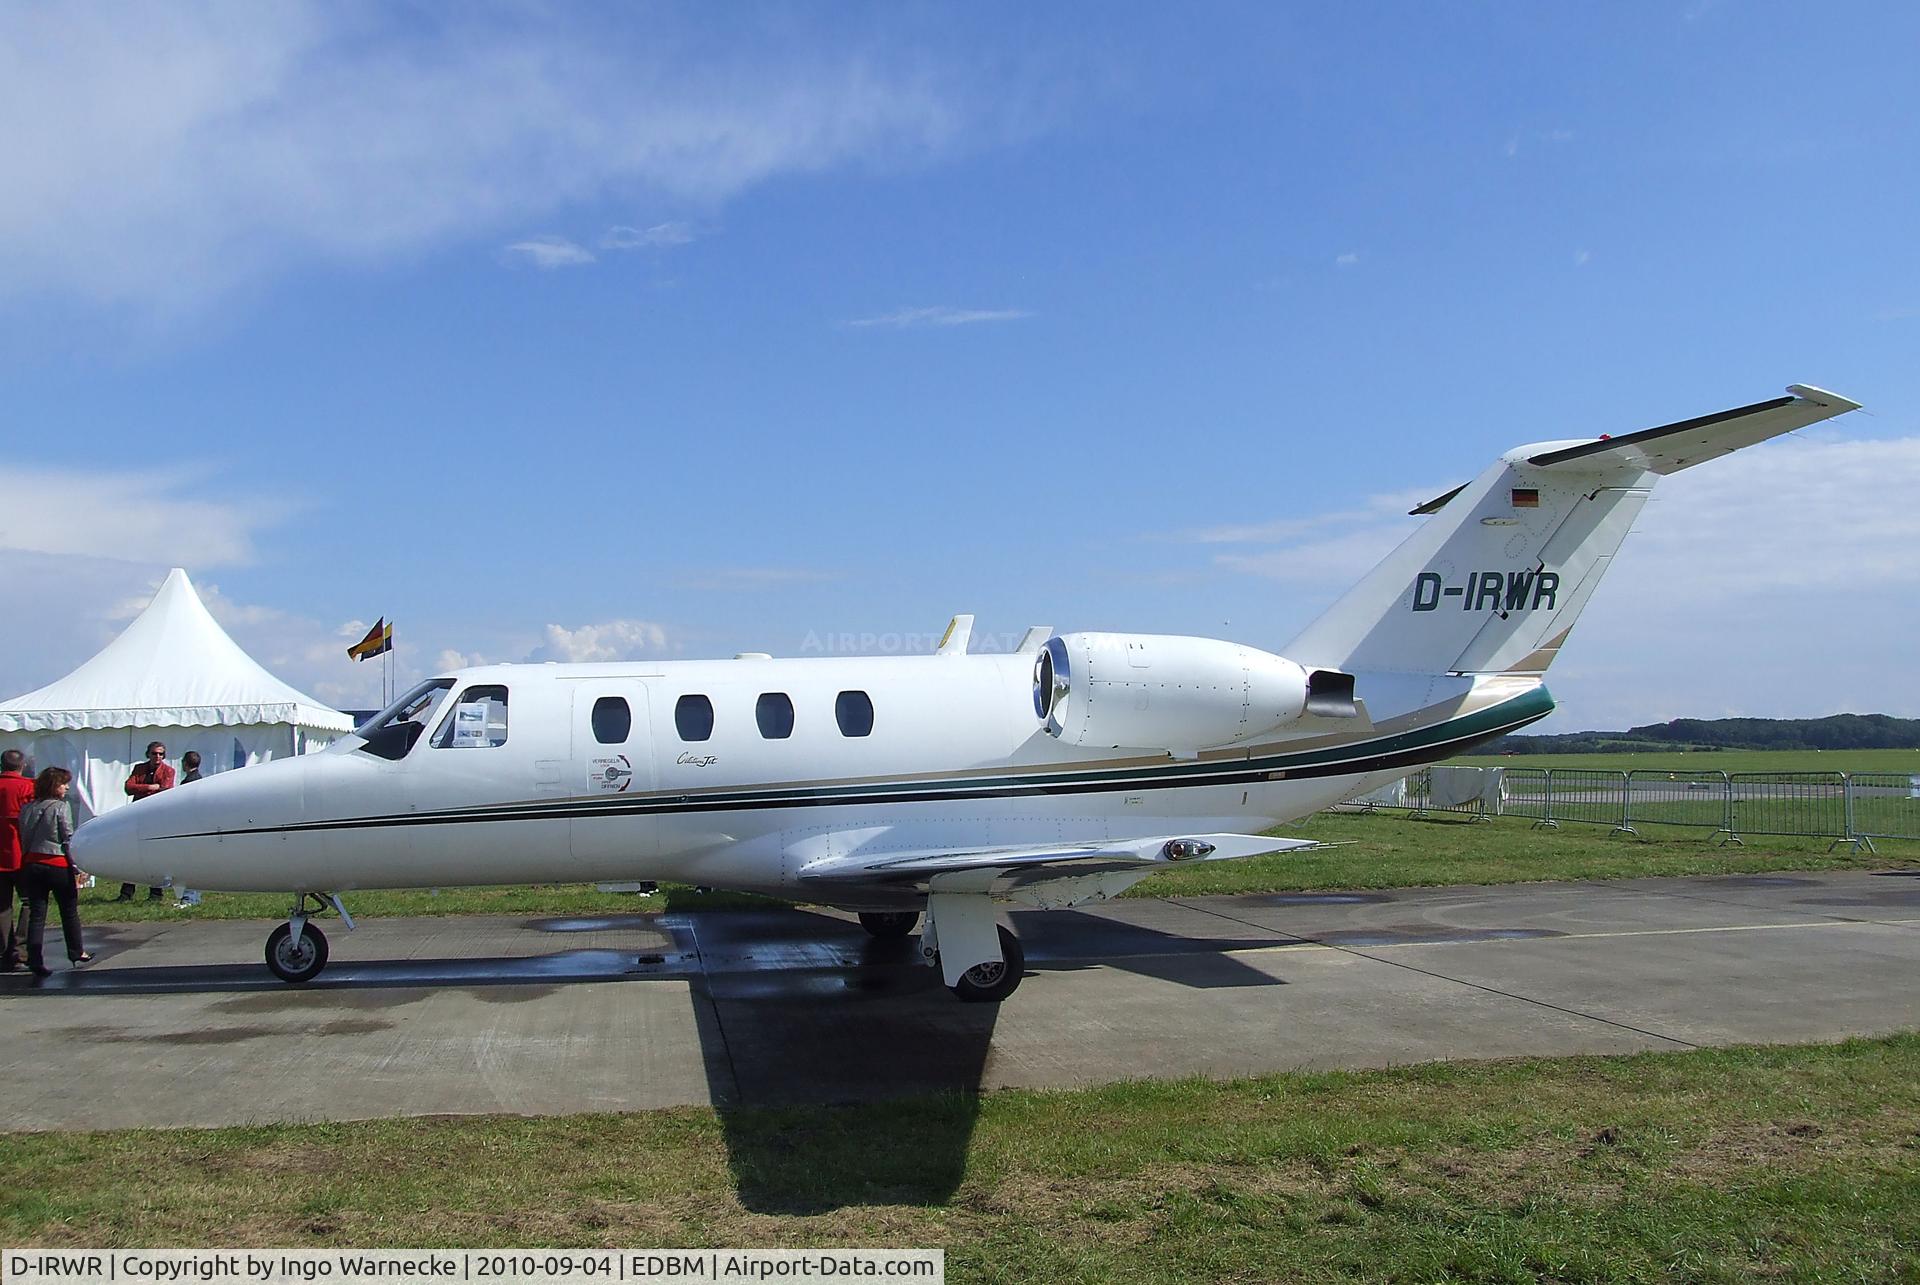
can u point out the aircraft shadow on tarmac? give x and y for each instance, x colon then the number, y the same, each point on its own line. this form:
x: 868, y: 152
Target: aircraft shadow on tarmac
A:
x: 807, y: 1011
x: 795, y: 1011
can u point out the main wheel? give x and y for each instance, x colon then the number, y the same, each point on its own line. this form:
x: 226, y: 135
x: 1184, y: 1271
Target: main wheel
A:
x: 991, y: 983
x: 889, y: 924
x: 297, y: 961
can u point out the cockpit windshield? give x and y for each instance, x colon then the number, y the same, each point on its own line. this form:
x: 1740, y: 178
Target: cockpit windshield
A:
x: 392, y: 732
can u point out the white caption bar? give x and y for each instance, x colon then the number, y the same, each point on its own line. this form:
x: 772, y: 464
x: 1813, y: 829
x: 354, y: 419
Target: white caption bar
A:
x: 487, y: 1266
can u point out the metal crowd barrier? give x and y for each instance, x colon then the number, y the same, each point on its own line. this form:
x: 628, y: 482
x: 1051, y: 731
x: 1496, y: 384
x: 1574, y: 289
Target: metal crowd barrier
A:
x: 1702, y: 799
x: 1804, y: 805
x: 1854, y: 808
x: 1882, y: 805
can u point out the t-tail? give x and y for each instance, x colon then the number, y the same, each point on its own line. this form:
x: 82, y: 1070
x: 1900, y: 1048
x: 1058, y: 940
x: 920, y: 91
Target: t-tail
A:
x: 1492, y: 583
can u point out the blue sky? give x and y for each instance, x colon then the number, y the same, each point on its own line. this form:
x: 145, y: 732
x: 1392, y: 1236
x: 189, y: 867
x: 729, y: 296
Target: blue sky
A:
x: 592, y: 332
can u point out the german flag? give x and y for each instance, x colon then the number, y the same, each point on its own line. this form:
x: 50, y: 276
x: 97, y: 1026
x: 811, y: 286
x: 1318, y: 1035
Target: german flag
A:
x: 379, y: 639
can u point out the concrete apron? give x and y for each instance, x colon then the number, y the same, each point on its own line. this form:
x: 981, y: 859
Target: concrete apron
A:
x: 181, y: 1024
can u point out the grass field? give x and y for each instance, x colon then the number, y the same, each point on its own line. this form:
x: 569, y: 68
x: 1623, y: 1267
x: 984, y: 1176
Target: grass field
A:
x: 1907, y: 761
x: 1796, y: 1164
x: 1383, y: 850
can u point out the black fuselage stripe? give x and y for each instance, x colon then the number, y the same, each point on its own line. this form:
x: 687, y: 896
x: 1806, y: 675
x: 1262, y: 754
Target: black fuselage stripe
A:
x: 1157, y: 780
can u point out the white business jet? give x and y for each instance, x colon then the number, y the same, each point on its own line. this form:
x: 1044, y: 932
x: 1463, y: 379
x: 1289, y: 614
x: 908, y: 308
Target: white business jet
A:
x: 937, y: 785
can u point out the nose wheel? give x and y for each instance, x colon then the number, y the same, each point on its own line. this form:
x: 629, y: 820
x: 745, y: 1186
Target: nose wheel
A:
x: 297, y: 949
x: 297, y: 959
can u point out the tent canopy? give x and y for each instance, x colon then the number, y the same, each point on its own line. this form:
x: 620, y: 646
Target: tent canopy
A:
x: 174, y: 666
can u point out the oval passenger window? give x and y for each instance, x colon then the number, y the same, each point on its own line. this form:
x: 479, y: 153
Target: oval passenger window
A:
x: 774, y: 712
x: 854, y: 712
x: 612, y: 720
x: 693, y: 718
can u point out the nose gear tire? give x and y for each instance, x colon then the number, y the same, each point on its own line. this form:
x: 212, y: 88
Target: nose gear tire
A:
x: 296, y: 961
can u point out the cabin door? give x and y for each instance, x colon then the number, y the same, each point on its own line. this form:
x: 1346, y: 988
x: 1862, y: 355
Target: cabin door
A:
x: 612, y: 779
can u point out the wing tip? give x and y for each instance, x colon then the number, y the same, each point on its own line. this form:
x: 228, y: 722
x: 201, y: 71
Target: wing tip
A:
x: 1821, y: 397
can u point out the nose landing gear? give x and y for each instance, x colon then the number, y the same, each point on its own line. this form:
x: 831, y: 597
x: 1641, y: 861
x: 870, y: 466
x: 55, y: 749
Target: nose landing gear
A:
x: 297, y: 949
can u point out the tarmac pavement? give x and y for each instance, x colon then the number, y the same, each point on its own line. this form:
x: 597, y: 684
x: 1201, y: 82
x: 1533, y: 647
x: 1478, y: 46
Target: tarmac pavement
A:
x: 179, y: 1023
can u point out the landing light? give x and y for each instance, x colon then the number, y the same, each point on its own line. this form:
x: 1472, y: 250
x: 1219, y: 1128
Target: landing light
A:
x: 1186, y: 849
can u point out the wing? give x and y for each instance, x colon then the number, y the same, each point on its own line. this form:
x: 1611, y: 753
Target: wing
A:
x: 1002, y: 869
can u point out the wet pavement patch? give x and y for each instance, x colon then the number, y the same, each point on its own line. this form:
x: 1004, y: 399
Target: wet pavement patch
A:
x: 225, y: 1034
x: 604, y: 924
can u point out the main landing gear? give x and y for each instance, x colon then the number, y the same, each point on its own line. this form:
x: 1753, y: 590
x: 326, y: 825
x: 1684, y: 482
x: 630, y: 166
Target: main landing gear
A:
x: 297, y: 949
x: 981, y: 961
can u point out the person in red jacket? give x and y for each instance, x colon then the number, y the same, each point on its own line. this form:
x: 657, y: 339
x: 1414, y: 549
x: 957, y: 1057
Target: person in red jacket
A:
x: 15, y: 790
x: 147, y: 780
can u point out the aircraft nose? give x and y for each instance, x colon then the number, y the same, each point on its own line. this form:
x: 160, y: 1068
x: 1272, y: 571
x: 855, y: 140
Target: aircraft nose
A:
x: 215, y: 834
x: 108, y: 846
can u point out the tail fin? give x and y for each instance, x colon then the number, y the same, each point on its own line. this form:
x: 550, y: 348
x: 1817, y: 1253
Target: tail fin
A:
x: 1494, y: 579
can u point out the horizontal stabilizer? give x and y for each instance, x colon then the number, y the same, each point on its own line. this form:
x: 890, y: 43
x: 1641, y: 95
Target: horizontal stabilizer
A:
x: 1672, y: 447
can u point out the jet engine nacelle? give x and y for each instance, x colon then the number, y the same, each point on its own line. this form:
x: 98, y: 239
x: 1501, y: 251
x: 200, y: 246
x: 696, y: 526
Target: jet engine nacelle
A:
x: 1167, y: 692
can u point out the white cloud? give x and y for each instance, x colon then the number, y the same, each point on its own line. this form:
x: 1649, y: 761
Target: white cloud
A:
x: 1346, y: 260
x: 449, y: 660
x: 156, y: 156
x: 1512, y: 148
x: 620, y: 237
x: 1339, y: 559
x: 1385, y: 504
x: 1778, y: 582
x: 136, y: 517
x: 1803, y: 513
x: 550, y: 252
x: 918, y: 318
x: 614, y: 640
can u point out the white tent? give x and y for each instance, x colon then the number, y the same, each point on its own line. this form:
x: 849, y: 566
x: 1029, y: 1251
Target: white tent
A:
x: 173, y: 675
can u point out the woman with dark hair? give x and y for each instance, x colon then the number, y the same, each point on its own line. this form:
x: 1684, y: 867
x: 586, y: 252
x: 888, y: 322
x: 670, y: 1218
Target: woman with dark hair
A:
x: 46, y: 828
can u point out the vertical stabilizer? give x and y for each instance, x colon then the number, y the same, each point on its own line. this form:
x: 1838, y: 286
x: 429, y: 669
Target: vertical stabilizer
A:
x: 1494, y: 580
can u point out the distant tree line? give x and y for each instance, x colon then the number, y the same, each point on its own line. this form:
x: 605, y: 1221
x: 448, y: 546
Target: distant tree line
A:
x: 1834, y: 732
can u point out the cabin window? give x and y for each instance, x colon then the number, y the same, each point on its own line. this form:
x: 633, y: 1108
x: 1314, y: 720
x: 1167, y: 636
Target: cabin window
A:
x: 854, y: 712
x: 612, y: 720
x: 477, y: 721
x: 774, y: 712
x: 693, y: 718
x: 393, y: 731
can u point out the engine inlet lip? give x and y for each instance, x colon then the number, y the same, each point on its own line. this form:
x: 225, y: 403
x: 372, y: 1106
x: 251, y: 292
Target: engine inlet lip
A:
x: 1052, y: 679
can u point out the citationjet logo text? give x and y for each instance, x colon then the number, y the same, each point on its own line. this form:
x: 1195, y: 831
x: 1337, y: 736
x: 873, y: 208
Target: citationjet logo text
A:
x: 1487, y: 591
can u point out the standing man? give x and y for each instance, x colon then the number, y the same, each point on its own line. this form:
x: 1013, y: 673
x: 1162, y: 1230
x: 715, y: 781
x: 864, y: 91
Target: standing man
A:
x: 189, y: 773
x: 15, y: 791
x: 148, y: 779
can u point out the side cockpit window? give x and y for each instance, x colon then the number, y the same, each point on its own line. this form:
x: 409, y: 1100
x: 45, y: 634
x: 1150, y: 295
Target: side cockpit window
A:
x: 477, y: 721
x: 392, y: 732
